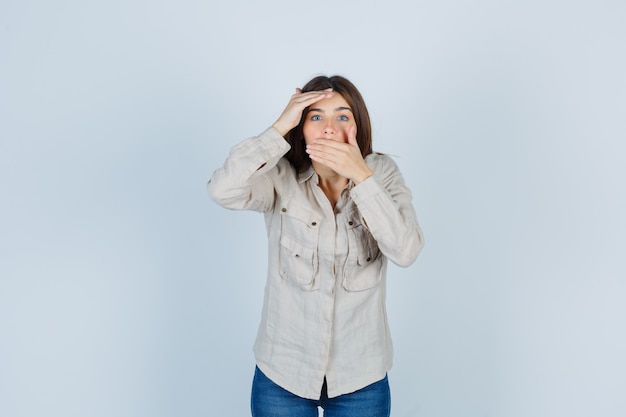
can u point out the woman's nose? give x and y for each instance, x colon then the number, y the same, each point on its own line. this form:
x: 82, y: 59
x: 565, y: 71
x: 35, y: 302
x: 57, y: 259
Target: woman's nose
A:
x: 329, y: 129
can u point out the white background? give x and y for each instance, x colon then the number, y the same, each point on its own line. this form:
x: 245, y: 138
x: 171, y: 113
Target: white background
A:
x: 124, y: 291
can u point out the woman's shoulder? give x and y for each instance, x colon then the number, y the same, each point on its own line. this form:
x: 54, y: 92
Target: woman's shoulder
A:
x: 283, y: 172
x: 378, y: 161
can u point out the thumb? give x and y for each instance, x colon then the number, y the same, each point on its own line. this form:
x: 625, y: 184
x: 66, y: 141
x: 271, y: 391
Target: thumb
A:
x: 298, y: 90
x: 352, y: 136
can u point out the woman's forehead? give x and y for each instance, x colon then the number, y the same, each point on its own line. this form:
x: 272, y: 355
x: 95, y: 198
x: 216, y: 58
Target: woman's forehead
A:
x: 334, y: 103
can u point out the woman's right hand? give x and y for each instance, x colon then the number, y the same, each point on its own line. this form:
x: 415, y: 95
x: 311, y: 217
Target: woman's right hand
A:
x: 293, y: 112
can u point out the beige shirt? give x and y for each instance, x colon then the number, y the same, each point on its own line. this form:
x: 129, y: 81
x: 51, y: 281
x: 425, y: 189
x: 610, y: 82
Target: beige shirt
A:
x: 324, y: 310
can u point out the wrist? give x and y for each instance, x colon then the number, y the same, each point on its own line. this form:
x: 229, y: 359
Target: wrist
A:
x: 280, y: 128
x: 362, y: 177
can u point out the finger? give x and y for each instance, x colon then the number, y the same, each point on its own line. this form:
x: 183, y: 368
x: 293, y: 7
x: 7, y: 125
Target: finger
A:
x: 327, y: 93
x: 299, y: 91
x: 325, y: 152
x: 324, y: 160
x: 307, y: 100
x: 324, y: 143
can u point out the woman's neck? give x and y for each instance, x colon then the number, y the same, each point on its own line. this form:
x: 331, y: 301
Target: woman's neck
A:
x: 331, y: 183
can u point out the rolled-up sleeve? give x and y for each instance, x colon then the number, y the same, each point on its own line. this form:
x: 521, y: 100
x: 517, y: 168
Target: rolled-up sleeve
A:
x: 242, y: 182
x: 384, y: 202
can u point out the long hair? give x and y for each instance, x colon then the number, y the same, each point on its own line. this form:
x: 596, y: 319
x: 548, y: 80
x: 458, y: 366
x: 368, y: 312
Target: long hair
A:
x: 297, y: 156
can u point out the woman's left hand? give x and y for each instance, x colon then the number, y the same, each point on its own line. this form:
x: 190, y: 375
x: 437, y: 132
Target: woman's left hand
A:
x: 343, y: 158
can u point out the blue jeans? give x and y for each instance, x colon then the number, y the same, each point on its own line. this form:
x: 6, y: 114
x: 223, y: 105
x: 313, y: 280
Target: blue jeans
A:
x: 270, y: 400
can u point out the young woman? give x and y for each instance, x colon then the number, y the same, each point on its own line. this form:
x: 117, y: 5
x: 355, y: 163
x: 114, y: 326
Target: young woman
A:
x: 335, y: 212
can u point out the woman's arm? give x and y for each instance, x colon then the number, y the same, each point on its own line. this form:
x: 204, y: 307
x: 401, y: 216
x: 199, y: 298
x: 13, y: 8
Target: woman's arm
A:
x: 241, y: 183
x: 384, y: 202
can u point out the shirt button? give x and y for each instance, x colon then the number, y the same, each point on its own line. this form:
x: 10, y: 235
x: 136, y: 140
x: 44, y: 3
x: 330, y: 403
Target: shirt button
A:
x: 369, y: 258
x: 283, y: 209
x: 350, y: 222
x: 313, y: 223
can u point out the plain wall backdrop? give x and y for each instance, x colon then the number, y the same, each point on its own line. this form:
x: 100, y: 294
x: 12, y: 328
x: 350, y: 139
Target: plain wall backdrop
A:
x: 126, y: 292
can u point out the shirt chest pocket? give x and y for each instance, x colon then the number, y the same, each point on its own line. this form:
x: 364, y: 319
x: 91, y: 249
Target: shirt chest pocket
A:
x: 364, y: 269
x: 298, y: 256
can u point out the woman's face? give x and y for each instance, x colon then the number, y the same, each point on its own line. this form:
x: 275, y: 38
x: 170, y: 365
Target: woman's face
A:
x: 330, y: 118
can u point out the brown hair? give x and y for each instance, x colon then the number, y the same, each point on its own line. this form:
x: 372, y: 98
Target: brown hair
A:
x: 297, y: 156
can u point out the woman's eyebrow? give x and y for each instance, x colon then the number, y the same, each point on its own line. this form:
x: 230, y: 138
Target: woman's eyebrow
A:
x: 336, y: 110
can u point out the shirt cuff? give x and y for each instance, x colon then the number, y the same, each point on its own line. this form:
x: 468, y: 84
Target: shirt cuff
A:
x: 271, y: 143
x: 366, y: 189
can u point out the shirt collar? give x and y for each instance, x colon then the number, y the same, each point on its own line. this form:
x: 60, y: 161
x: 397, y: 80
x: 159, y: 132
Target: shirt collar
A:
x: 310, y: 173
x: 306, y: 175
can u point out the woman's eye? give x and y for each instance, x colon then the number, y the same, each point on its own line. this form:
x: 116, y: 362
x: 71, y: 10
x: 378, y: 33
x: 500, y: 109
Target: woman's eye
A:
x: 316, y: 117
x: 343, y: 118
